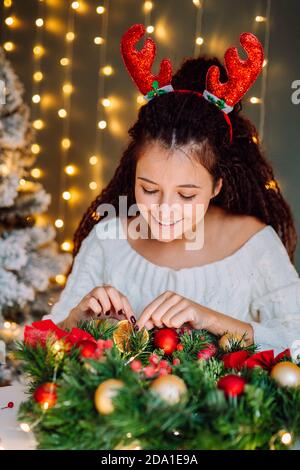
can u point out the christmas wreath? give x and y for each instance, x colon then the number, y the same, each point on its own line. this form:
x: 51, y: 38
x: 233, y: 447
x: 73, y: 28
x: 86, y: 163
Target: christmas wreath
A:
x: 107, y: 386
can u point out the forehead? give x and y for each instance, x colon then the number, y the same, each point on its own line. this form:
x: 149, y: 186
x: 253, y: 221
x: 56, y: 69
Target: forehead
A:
x: 178, y: 162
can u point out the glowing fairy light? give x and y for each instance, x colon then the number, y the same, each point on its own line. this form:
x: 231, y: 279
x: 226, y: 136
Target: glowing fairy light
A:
x: 93, y: 160
x: 100, y: 10
x: 9, y: 46
x: 199, y: 40
x: 150, y: 29
x: 66, y: 195
x: 102, y: 124
x: 59, y: 223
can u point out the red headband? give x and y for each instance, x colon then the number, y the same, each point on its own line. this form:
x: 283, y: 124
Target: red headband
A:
x: 241, y: 73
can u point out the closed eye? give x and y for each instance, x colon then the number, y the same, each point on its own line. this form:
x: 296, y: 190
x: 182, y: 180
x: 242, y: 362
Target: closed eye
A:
x: 187, y: 197
x: 149, y: 192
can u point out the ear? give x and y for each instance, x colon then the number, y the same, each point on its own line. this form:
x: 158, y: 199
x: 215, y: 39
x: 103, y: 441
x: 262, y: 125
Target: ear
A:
x: 217, y: 188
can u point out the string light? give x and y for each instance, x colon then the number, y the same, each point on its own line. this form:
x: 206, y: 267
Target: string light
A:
x: 39, y: 22
x: 255, y: 100
x: 66, y: 195
x: 70, y: 170
x: 59, y: 223
x: 36, y: 172
x: 67, y: 245
x: 93, y: 160
x: 102, y: 124
x: 60, y: 279
x: 260, y: 19
x: 199, y: 40
x: 36, y: 98
x: 93, y: 185
x: 150, y: 29
x: 64, y: 61
x: 38, y: 76
x: 70, y: 36
x: 264, y: 19
x: 38, y: 124
x: 107, y: 70
x: 66, y: 143
x: 35, y: 148
x: 9, y: 46
x: 148, y: 6
x: 62, y: 113
x: 98, y: 40
x: 100, y: 10
x: 9, y: 21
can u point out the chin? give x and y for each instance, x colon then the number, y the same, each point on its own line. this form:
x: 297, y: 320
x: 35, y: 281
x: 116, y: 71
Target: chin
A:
x: 166, y: 233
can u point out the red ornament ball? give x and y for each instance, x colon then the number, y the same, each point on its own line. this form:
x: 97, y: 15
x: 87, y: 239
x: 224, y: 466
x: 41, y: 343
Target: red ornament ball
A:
x: 46, y: 395
x: 209, y: 351
x: 166, y: 339
x: 232, y: 385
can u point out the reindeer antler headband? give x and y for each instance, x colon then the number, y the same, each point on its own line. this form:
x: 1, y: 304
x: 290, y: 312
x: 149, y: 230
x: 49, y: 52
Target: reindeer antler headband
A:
x: 241, y: 73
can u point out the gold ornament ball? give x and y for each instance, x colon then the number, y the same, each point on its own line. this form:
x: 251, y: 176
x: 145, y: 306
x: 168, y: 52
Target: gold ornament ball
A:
x: 104, y: 394
x: 169, y: 388
x: 286, y: 374
x: 226, y: 341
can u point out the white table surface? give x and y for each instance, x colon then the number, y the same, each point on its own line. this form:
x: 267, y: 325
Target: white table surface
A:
x: 11, y: 435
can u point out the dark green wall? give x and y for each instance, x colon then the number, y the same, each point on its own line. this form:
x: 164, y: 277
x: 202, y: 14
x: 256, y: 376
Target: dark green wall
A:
x: 223, y: 21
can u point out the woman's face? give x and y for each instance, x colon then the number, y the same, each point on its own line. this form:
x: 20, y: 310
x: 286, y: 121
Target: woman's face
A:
x: 172, y: 191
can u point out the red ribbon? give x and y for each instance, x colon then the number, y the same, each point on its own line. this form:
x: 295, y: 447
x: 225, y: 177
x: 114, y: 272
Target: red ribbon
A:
x: 39, y: 332
x: 264, y: 359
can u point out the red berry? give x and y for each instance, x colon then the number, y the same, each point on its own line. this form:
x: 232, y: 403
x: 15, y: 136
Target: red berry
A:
x: 149, y: 371
x: 163, y: 364
x: 108, y: 343
x: 179, y: 347
x: 136, y: 365
x: 10, y: 404
x: 176, y: 361
x: 163, y: 372
x: 209, y: 351
x: 154, y: 359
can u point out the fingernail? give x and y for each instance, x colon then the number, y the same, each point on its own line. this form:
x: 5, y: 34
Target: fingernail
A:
x: 132, y: 319
x: 136, y: 328
x: 99, y: 315
x: 107, y: 313
x: 121, y: 312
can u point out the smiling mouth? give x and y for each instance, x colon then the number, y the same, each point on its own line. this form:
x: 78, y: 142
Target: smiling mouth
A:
x: 162, y: 224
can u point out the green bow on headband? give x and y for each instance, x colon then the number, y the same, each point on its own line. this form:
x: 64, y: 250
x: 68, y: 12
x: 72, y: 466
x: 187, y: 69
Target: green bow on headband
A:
x: 155, y: 91
x: 220, y: 103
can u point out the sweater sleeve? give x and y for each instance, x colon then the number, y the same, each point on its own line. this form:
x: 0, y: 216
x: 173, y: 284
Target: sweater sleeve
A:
x: 275, y: 306
x: 87, y: 273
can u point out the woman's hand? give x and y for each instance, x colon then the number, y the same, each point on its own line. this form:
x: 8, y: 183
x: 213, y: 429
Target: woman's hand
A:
x: 101, y: 301
x: 173, y: 310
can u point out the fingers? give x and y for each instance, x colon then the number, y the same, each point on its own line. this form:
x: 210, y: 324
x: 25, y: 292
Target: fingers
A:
x: 128, y: 310
x: 181, y: 317
x: 147, y: 312
x: 114, y: 303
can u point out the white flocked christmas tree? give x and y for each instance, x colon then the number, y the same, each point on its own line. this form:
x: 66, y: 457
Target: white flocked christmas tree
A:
x: 29, y: 255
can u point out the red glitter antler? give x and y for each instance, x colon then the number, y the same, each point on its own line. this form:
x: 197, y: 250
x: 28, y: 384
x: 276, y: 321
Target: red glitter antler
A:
x: 139, y: 63
x: 241, y: 73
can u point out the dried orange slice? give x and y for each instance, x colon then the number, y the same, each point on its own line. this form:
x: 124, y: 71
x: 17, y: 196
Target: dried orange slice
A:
x: 127, y: 340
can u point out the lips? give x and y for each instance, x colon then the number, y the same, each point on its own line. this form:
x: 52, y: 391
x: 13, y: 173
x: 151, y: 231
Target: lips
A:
x: 163, y: 224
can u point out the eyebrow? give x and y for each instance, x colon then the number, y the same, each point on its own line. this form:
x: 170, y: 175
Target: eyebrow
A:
x: 178, y: 186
